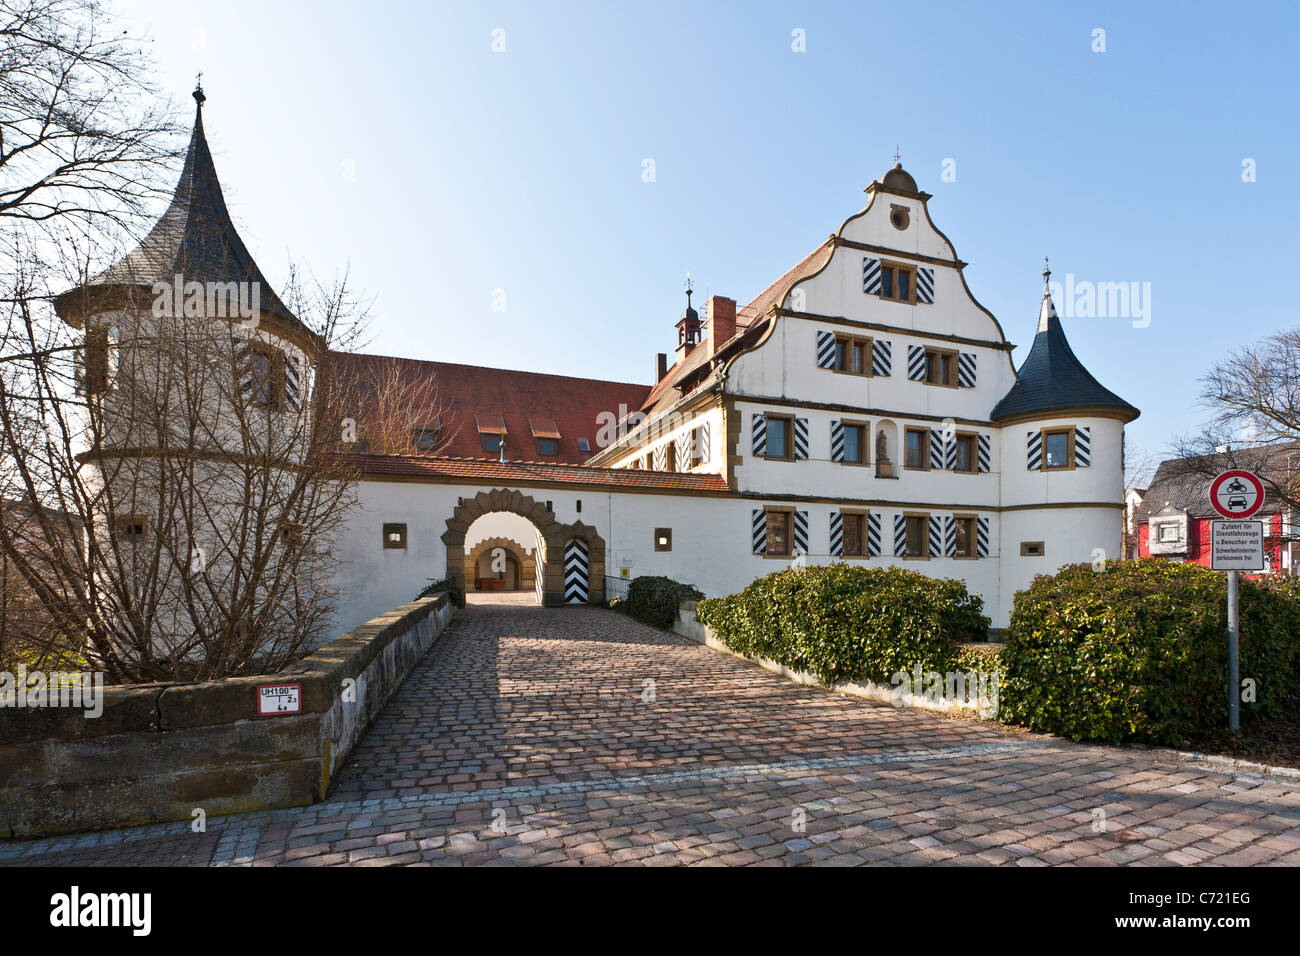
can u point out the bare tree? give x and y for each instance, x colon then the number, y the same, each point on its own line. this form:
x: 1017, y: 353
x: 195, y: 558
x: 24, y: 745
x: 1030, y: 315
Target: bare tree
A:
x: 398, y: 407
x: 1254, y: 400
x: 85, y: 148
x: 1139, y: 468
x: 201, y: 471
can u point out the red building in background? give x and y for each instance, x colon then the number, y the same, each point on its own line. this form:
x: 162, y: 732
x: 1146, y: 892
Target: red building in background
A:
x: 1173, y: 519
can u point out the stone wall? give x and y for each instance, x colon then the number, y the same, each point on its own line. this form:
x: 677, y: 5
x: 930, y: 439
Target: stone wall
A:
x: 158, y: 752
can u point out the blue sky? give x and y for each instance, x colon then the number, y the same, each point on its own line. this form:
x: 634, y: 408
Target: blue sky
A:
x: 389, y: 139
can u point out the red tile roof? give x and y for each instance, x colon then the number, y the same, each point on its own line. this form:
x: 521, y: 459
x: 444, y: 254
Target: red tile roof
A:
x: 478, y: 471
x: 474, y: 394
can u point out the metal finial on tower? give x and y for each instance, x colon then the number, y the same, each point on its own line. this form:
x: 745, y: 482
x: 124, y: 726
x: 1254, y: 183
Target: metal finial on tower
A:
x: 1047, y: 274
x: 898, y: 156
x: 689, y: 287
x: 198, y: 89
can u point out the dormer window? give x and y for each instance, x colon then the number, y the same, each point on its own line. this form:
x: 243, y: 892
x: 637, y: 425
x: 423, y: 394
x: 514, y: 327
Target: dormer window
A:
x: 267, y: 366
x: 426, y: 439
x: 491, y: 431
x: 546, y: 435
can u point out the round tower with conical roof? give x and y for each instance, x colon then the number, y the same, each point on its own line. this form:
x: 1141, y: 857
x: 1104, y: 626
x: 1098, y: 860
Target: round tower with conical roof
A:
x: 196, y: 378
x: 1062, y: 460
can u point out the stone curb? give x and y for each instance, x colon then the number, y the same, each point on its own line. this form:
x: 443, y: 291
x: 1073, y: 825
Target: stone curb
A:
x: 692, y: 630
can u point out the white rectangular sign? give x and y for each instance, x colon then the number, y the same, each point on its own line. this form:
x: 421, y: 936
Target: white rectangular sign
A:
x: 274, y: 699
x: 1237, y: 545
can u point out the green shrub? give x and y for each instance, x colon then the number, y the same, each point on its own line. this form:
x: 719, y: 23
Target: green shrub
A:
x: 655, y: 600
x: 455, y: 593
x: 1139, y: 651
x: 846, y: 622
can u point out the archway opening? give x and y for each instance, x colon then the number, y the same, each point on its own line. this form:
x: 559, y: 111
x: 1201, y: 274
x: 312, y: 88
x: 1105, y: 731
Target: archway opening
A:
x: 568, y: 560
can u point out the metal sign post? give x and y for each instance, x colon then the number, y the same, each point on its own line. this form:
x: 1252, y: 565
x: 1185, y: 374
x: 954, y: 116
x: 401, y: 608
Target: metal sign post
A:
x: 1236, y: 545
x: 1234, y: 678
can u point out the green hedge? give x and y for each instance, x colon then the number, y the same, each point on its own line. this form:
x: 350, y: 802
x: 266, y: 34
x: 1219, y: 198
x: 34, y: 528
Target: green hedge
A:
x: 846, y: 622
x: 1138, y: 651
x: 655, y: 600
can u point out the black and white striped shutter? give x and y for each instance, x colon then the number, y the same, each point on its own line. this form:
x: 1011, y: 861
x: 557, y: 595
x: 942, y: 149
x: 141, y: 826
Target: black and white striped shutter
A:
x: 985, y: 452
x: 801, y: 438
x: 950, y: 453
x: 684, y: 451
x: 882, y: 357
x: 1082, y: 447
x: 837, y: 534
x: 243, y: 366
x: 759, y: 429
x: 825, y: 349
x: 661, y: 458
x: 924, y: 285
x: 870, y: 275
x: 1034, y: 451
x: 873, y: 535
x: 900, y: 535
x: 966, y: 369
x: 837, y: 440
x: 936, y: 449
x: 801, y: 532
x: 291, y: 381
x: 936, y: 535
x: 703, y: 436
x: 760, y: 531
x: 916, y: 363
x: 950, y: 536
x: 982, y: 537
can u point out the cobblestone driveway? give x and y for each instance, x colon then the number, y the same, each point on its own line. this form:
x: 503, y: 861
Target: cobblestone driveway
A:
x: 577, y: 736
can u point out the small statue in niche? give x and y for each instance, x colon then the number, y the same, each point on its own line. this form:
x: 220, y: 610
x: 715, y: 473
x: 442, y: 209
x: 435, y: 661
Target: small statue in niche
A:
x: 881, y: 446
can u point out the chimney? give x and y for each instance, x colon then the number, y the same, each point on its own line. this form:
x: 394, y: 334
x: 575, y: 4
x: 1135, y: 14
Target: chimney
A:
x: 661, y: 367
x: 722, y: 321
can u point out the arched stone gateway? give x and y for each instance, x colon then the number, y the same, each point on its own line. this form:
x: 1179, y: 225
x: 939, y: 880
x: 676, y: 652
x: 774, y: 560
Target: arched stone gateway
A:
x: 514, y: 551
x: 555, y: 540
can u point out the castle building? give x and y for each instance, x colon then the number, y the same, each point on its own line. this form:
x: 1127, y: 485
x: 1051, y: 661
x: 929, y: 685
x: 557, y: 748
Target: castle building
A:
x: 864, y: 407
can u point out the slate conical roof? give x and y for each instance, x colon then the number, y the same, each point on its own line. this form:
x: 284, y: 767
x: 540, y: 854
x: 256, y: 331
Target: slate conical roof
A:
x: 195, y: 237
x: 1052, y: 378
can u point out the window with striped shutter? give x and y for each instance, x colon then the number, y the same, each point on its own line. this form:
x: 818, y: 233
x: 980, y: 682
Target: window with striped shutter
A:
x: 825, y: 349
x: 882, y: 357
x: 1082, y: 447
x: 936, y: 449
x: 870, y: 275
x: 924, y: 285
x: 801, y: 438
x: 966, y: 369
x: 837, y: 440
x: 916, y: 365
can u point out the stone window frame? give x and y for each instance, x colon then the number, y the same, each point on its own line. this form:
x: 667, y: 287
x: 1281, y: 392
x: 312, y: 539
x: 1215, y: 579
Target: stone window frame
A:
x: 892, y: 268
x: 925, y: 448
x: 1068, y: 431
x: 862, y: 515
x: 390, y: 528
x: 788, y: 511
x: 972, y: 536
x: 924, y: 518
x: 849, y: 341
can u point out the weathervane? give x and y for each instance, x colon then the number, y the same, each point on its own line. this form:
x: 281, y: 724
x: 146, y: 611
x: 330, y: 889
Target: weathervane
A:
x: 898, y: 157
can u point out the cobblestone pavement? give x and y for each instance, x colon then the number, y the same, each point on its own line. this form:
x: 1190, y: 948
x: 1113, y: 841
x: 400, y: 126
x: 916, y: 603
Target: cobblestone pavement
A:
x: 565, y: 736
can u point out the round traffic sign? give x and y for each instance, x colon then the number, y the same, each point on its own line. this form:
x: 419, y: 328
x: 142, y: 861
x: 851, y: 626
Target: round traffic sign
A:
x: 1237, y: 494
